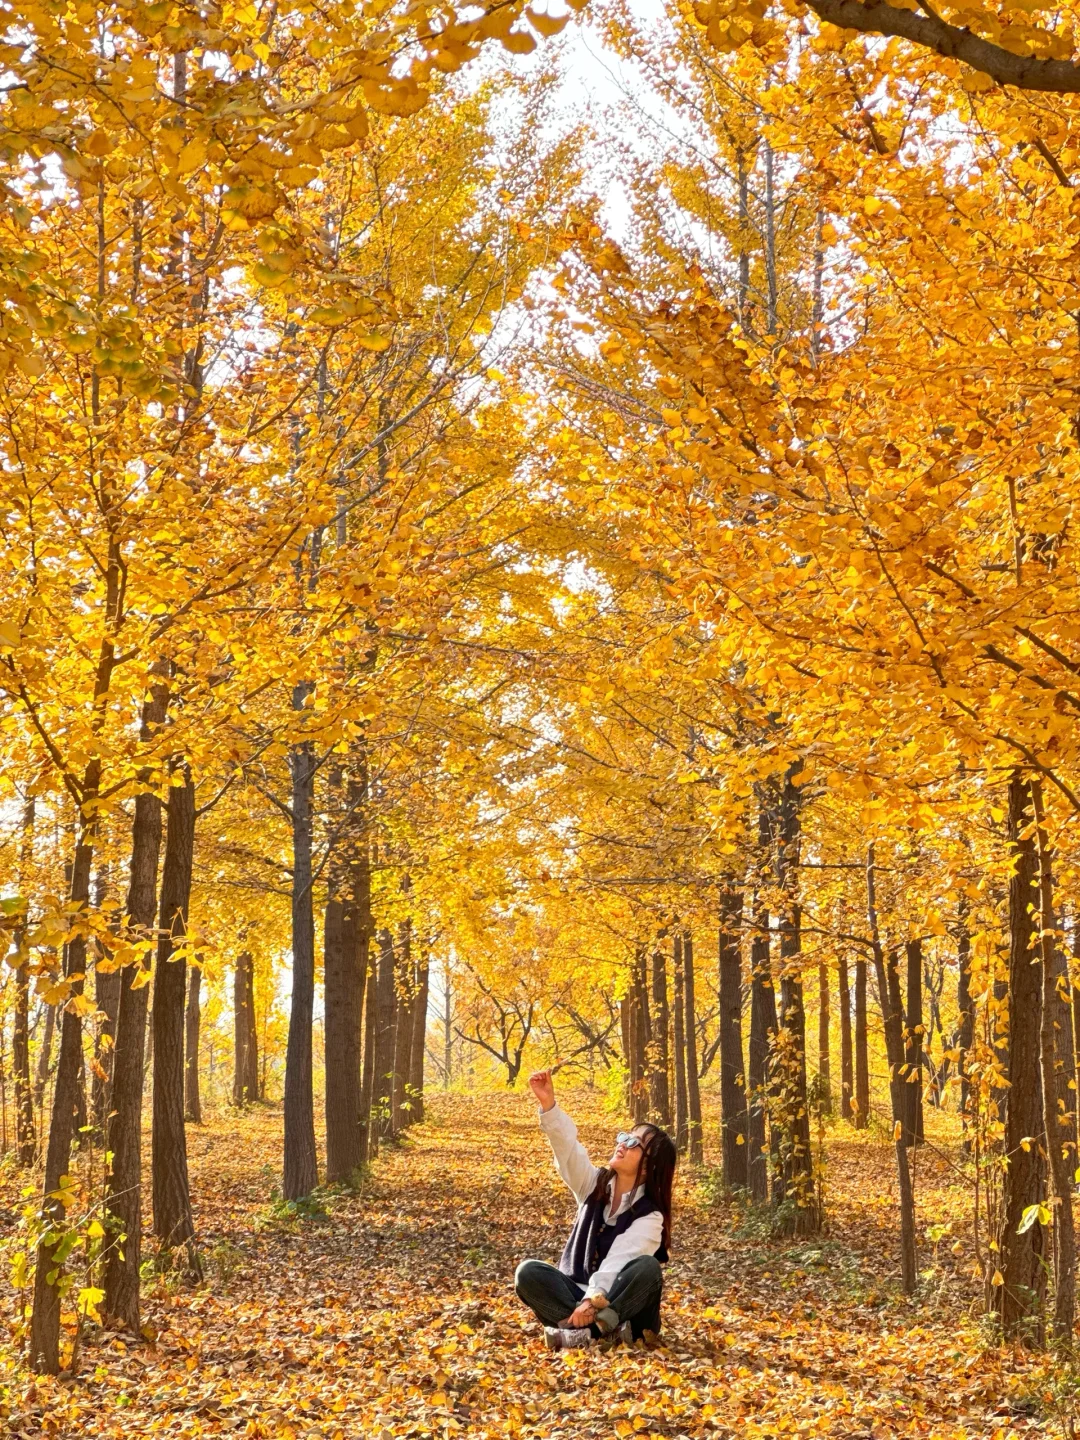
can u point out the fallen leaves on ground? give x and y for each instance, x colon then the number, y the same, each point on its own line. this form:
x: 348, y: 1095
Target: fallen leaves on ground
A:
x: 393, y: 1314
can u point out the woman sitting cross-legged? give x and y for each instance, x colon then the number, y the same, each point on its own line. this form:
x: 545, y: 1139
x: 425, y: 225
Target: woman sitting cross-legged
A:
x: 609, y: 1278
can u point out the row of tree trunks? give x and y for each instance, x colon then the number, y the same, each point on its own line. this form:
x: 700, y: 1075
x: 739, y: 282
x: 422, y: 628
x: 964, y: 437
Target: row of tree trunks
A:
x: 660, y: 1043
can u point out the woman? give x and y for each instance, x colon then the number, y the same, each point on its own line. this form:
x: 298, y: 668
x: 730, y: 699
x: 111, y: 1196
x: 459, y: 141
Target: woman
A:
x: 609, y: 1278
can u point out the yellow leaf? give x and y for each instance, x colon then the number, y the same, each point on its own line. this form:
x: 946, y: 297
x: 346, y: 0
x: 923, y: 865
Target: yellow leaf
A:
x: 998, y: 1278
x: 10, y: 634
x: 191, y: 156
x: 519, y: 42
x: 374, y: 342
x: 547, y: 24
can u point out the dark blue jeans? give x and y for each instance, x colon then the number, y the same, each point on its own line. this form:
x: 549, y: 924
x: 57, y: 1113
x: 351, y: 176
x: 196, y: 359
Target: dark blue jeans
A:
x: 634, y: 1294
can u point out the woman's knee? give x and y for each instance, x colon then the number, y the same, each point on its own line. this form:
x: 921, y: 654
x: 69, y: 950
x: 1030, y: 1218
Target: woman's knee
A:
x: 649, y: 1269
x: 527, y: 1274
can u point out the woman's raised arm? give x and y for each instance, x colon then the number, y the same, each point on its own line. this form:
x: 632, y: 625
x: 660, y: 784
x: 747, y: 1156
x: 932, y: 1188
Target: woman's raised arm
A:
x: 571, y: 1158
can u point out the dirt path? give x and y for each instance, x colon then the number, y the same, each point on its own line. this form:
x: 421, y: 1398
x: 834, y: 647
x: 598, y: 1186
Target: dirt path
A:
x: 392, y: 1314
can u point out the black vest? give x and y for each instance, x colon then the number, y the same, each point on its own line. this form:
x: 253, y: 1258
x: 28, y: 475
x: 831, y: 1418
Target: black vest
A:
x: 591, y: 1238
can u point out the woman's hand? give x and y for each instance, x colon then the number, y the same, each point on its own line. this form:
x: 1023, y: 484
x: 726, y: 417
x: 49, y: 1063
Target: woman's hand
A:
x: 542, y: 1086
x: 584, y: 1315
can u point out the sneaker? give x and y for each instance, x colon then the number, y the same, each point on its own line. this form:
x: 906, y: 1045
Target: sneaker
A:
x: 562, y: 1337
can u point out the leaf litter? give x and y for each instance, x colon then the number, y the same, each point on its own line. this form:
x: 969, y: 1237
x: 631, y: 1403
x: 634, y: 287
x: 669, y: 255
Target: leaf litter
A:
x: 389, y: 1311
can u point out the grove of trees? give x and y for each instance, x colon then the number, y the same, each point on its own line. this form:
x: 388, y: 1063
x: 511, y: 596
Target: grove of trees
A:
x: 446, y: 625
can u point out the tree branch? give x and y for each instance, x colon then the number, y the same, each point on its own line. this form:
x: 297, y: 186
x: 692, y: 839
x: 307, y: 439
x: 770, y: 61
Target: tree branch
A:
x: 876, y: 17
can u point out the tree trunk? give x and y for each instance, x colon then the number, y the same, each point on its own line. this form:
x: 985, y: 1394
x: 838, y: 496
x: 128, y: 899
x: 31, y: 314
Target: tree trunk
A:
x: 733, y: 1110
x: 965, y: 1027
x: 1060, y: 1145
x: 693, y: 1091
x: 45, y: 1319
x: 862, y: 1052
x: 798, y: 1157
x: 682, y: 1120
x: 419, y: 1038
x: 25, y: 1140
x: 1018, y: 1299
x: 661, y: 1059
x: 405, y: 992
x: 847, y: 1069
x: 892, y: 1019
x: 384, y: 1035
x: 41, y: 1078
x: 107, y: 1001
x: 913, y: 1044
x: 173, y: 1222
x: 824, y: 1074
x: 192, y: 1098
x: 639, y: 1038
x: 762, y: 1033
x: 245, y: 1035
x: 343, y: 986
x: 301, y: 1168
x: 1065, y: 1049
x: 123, y: 1198
x: 369, y: 1131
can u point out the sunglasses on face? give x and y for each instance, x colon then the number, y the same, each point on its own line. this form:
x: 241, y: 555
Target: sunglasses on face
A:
x: 628, y: 1142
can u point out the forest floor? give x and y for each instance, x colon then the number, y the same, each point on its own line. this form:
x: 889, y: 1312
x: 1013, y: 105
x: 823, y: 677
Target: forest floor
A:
x: 392, y: 1313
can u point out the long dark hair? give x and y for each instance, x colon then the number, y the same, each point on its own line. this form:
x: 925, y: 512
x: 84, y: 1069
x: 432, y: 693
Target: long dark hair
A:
x: 656, y: 1172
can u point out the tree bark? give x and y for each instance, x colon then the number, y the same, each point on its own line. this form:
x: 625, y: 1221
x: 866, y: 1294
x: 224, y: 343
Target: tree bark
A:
x: 45, y: 1318
x: 41, y: 1078
x: 913, y: 1045
x: 419, y: 1038
x: 763, y: 1029
x: 695, y: 1137
x: 847, y: 1069
x: 1065, y: 1048
x: 369, y: 1133
x: 384, y: 1036
x: 1019, y: 1298
x: 173, y: 1221
x: 862, y: 1052
x: 733, y: 1109
x: 1060, y: 1145
x: 245, y: 1034
x: 965, y: 1027
x: 892, y: 1018
x: 661, y: 1059
x: 824, y: 1076
x: 301, y: 1168
x: 342, y: 988
x: 192, y: 1098
x: 682, y: 1114
x: 405, y: 993
x: 123, y: 1195
x: 25, y: 1138
x: 107, y: 1001
x: 798, y: 1157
